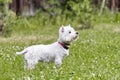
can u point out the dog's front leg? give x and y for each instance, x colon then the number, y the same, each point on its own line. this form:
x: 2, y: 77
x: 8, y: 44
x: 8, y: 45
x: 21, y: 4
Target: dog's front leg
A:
x: 58, y: 62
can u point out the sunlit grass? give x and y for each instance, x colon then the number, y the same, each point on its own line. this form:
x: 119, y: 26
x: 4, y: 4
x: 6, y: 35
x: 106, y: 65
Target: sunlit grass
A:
x: 94, y: 56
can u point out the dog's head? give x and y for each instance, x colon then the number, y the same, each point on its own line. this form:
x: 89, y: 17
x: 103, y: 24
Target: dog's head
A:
x: 67, y: 34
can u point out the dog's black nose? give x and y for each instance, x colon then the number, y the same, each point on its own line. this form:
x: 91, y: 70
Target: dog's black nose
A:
x: 76, y: 32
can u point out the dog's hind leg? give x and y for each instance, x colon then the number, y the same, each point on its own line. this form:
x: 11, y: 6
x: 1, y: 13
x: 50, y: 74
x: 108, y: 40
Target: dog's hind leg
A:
x: 31, y: 64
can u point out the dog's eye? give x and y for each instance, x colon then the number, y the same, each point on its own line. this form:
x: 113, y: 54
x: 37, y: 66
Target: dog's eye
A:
x: 69, y: 31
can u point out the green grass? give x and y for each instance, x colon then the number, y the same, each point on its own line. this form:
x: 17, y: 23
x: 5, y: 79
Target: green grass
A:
x: 94, y: 56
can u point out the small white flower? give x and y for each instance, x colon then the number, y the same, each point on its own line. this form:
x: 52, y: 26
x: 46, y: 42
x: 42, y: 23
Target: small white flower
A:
x: 28, y: 78
x: 92, y: 74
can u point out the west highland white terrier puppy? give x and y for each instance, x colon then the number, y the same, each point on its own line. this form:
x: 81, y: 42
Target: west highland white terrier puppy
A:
x: 53, y: 52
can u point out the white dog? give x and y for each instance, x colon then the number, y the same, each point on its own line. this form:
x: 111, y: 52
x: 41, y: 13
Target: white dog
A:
x: 53, y: 52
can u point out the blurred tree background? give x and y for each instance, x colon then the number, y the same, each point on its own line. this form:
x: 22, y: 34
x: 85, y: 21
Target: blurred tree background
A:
x: 81, y: 13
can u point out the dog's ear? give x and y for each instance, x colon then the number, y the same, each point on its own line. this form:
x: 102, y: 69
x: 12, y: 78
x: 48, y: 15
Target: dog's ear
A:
x: 62, y: 29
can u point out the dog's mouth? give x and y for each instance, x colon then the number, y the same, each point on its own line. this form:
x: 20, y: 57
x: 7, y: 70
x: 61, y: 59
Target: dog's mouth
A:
x: 75, y: 37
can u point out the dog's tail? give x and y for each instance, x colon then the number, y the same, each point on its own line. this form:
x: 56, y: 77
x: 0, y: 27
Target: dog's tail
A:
x: 22, y: 52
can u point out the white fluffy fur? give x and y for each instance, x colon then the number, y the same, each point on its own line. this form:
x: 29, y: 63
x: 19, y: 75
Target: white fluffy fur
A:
x: 52, y: 52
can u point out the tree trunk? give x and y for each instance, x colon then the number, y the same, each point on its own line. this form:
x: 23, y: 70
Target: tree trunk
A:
x: 113, y: 8
x: 102, y: 7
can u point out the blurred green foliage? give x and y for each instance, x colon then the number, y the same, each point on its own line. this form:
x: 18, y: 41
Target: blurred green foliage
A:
x: 84, y: 12
x: 5, y: 1
x: 80, y: 13
x: 1, y: 1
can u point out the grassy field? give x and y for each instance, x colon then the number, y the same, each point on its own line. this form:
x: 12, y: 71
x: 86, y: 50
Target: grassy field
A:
x: 94, y: 56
